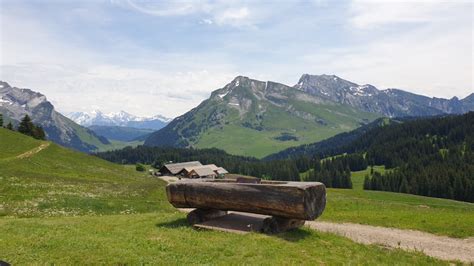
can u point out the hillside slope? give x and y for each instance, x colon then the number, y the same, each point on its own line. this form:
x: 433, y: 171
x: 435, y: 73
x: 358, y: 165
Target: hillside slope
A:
x: 256, y: 118
x: 332, y: 146
x: 15, y: 103
x: 56, y: 181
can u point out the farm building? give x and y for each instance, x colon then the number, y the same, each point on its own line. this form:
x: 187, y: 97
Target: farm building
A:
x: 188, y: 171
x: 201, y: 172
x: 176, y: 168
x: 185, y: 172
x: 221, y: 172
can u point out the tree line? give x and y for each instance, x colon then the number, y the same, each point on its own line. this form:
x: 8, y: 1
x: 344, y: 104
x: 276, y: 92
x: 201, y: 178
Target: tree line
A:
x: 335, y: 172
x: 27, y: 127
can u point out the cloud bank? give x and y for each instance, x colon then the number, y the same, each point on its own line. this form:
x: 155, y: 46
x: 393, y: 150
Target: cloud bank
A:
x: 163, y: 57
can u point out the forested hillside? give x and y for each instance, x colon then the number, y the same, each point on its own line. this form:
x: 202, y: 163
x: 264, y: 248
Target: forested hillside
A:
x: 431, y: 157
x: 338, y: 144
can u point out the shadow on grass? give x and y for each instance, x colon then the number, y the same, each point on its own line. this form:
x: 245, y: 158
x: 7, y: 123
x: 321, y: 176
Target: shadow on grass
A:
x: 181, y: 222
x: 294, y: 235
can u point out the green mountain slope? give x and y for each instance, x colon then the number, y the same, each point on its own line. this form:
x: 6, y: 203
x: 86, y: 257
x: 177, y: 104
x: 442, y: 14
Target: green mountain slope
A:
x: 57, y: 181
x: 255, y: 118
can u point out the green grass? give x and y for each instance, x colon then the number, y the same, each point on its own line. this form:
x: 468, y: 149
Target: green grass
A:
x: 437, y: 216
x: 65, y: 207
x: 359, y: 176
x: 59, y: 181
x: 165, y: 238
x: 13, y: 144
x: 433, y: 215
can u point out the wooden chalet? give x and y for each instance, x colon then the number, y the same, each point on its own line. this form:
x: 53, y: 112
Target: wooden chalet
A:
x: 176, y: 168
x: 202, y: 172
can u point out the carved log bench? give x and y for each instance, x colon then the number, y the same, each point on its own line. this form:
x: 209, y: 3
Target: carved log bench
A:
x: 288, y: 203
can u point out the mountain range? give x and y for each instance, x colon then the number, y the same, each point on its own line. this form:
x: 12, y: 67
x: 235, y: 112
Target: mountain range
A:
x: 15, y: 103
x: 246, y: 117
x: 118, y: 119
x: 389, y: 102
x: 257, y: 118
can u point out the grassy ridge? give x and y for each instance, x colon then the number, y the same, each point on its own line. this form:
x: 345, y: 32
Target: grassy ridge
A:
x: 59, y: 181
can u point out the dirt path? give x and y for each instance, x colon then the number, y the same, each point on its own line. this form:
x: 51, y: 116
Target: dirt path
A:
x: 33, y: 151
x: 442, y: 247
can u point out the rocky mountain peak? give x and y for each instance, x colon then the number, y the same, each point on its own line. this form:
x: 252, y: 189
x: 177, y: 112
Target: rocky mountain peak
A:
x: 15, y: 103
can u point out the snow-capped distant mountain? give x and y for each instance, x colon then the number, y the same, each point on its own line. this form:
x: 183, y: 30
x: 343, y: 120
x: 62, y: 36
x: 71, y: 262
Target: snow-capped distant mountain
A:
x: 122, y: 119
x: 15, y: 103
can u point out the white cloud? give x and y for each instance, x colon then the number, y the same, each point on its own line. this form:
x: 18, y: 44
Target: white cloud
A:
x: 402, y: 46
x: 427, y: 61
x: 163, y: 8
x: 369, y: 14
x: 138, y: 91
x: 233, y: 16
x: 76, y: 78
x: 221, y: 13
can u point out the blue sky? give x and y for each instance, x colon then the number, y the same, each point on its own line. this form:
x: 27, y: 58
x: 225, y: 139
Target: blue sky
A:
x: 160, y: 57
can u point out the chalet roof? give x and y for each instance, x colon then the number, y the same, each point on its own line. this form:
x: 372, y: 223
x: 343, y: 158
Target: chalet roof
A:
x: 175, y: 168
x: 203, y: 171
x: 221, y: 171
x: 212, y: 166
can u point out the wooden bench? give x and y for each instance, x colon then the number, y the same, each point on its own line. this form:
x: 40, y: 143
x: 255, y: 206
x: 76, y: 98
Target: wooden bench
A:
x: 288, y: 204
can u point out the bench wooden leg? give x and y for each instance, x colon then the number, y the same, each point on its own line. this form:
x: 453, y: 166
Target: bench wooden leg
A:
x: 273, y: 225
x: 201, y: 215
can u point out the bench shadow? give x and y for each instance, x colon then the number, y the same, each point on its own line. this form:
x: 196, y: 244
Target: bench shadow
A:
x: 293, y: 235
x: 178, y: 223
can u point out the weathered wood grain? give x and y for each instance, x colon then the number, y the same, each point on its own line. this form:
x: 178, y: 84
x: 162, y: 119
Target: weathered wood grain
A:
x: 293, y: 200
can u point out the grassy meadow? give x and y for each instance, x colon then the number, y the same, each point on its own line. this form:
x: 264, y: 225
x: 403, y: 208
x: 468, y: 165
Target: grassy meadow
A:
x: 64, y: 207
x: 406, y: 211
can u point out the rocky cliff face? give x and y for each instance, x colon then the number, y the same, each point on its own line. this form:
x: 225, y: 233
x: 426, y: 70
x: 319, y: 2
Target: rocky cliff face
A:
x: 15, y: 103
x: 390, y: 102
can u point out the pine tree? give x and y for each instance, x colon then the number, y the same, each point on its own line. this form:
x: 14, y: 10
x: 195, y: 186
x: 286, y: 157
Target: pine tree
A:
x: 26, y: 126
x: 367, y: 182
x: 1, y: 120
x: 404, y: 186
x: 10, y: 126
x: 38, y: 133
